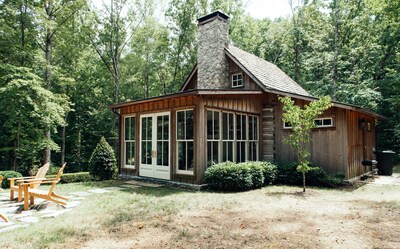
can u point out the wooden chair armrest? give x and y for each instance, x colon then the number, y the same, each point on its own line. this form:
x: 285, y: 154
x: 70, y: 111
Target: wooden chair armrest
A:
x: 20, y: 178
x: 29, y: 180
x: 43, y: 181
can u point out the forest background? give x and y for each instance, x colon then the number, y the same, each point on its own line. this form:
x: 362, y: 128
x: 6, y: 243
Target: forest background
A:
x: 64, y: 62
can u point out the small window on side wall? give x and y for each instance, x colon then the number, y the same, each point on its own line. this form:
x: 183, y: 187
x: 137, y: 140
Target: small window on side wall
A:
x: 237, y: 80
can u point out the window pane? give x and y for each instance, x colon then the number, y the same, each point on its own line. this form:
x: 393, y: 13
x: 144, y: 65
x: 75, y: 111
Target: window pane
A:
x: 165, y: 154
x: 189, y: 124
x: 238, y: 127
x: 225, y: 126
x: 210, y: 130
x: 127, y: 126
x: 159, y: 153
x: 241, y: 152
x: 166, y: 127
x: 180, y: 129
x: 190, y: 156
x: 255, y: 128
x: 227, y: 151
x: 318, y: 122
x: 216, y: 125
x: 231, y: 127
x: 244, y: 137
x: 127, y: 153
x: 251, y: 128
x: 181, y: 155
x: 327, y: 122
x: 253, y: 151
x: 212, y: 153
x: 160, y: 126
x: 132, y: 128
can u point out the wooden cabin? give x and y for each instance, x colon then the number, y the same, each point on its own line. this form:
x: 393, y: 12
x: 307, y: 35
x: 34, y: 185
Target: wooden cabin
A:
x: 228, y: 110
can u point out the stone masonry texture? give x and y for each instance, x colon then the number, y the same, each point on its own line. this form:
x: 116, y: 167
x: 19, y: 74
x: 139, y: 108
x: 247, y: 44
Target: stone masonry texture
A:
x: 212, y: 63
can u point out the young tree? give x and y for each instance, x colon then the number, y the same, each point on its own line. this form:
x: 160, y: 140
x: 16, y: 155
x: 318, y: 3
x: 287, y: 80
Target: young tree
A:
x: 302, y: 121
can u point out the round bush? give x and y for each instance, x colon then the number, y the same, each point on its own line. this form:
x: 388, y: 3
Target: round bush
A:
x: 228, y: 176
x: 6, y: 175
x: 256, y: 171
x: 102, y: 163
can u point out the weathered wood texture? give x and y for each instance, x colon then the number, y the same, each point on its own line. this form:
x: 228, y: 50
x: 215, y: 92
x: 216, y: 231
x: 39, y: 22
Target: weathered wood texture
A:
x: 249, y: 83
x: 361, y: 142
x: 247, y: 104
x: 155, y: 106
x: 327, y: 145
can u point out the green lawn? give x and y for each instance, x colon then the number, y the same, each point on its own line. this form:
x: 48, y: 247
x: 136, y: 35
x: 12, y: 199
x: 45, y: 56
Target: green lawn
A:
x: 271, y: 217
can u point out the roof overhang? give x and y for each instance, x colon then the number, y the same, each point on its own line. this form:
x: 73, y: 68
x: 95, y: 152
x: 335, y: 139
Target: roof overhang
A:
x: 187, y: 93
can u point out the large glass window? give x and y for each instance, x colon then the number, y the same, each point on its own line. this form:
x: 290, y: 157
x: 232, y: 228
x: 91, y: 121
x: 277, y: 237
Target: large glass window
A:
x: 213, y: 137
x: 227, y: 136
x: 184, y: 139
x: 231, y: 137
x: 129, y: 142
x: 241, y: 138
x: 253, y: 138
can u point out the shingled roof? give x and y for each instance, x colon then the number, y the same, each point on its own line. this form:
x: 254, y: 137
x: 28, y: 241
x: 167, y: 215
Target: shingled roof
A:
x: 267, y: 75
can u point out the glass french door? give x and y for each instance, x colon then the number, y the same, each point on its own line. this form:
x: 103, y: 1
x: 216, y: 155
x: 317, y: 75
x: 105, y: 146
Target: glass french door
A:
x: 155, y: 145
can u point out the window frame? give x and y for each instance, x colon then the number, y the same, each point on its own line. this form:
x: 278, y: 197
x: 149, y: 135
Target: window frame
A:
x: 179, y: 171
x: 124, y: 165
x: 287, y: 126
x: 236, y: 140
x: 234, y: 82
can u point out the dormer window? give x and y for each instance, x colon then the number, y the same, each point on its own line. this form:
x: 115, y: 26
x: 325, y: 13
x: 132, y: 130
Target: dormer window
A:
x: 237, y: 80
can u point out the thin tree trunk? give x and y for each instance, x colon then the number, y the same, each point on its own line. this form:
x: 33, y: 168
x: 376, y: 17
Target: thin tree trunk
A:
x: 16, y: 147
x: 336, y: 51
x: 48, y: 54
x: 63, y: 142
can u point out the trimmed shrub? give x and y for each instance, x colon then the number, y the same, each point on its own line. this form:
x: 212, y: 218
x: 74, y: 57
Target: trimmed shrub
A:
x: 270, y: 172
x: 74, y: 177
x: 102, y: 163
x: 256, y: 172
x: 288, y: 174
x: 228, y: 176
x: 6, y: 175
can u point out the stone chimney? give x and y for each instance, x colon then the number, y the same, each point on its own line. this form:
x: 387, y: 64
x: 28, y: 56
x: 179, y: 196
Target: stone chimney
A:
x: 212, y: 64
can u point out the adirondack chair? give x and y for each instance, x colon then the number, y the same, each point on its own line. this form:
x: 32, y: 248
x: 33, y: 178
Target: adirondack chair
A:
x: 19, y: 180
x: 1, y: 215
x: 30, y: 192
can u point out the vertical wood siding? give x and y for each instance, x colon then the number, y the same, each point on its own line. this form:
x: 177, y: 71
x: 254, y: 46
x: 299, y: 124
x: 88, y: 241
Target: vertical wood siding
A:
x: 328, y: 146
x: 172, y: 105
x: 361, y: 143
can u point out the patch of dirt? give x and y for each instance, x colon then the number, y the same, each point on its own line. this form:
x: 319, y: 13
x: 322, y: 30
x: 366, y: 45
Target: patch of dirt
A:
x: 272, y: 217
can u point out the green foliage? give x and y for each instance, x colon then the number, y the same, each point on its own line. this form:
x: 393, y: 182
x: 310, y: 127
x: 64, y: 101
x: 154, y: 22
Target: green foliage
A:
x: 289, y: 175
x: 74, y: 177
x: 302, y: 121
x: 8, y: 174
x: 230, y: 176
x: 102, y: 163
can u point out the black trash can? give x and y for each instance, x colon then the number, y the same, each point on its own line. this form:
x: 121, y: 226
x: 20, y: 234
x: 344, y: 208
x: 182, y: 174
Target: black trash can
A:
x: 385, y: 162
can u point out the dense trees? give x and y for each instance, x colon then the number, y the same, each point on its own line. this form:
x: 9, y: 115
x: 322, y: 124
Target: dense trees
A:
x: 62, y: 63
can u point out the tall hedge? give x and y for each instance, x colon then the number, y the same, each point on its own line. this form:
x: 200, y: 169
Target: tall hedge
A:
x: 102, y: 163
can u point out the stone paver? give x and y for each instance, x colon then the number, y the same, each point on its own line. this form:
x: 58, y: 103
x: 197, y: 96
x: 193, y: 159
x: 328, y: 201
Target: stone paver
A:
x: 387, y: 180
x: 99, y: 191
x: 42, y: 209
x: 145, y: 184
